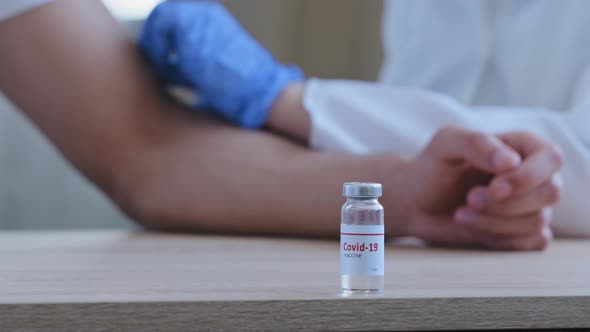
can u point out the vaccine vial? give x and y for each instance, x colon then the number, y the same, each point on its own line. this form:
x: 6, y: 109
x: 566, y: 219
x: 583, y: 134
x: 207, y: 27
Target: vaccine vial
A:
x: 362, y: 234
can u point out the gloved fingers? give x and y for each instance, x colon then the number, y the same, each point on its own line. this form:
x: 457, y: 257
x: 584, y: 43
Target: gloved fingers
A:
x: 200, y: 45
x: 158, y: 41
x: 155, y: 37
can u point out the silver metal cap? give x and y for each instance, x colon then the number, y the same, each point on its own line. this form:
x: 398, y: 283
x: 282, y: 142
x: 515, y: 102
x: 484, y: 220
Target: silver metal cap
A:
x: 361, y: 189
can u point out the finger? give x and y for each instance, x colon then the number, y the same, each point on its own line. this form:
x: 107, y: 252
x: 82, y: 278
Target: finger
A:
x: 443, y: 232
x: 483, y: 151
x: 541, y: 161
x: 523, y: 142
x: 538, y: 241
x: 548, y: 194
x: 158, y: 41
x: 504, y: 226
x: 155, y: 37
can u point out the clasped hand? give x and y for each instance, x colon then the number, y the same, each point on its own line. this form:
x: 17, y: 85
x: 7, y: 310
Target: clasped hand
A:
x: 472, y: 188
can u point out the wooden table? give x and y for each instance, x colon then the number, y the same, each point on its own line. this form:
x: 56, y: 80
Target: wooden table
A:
x: 64, y: 281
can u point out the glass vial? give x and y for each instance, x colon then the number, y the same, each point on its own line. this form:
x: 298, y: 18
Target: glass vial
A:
x: 362, y: 234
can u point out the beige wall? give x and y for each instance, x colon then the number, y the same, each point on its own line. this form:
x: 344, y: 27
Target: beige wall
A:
x: 328, y: 38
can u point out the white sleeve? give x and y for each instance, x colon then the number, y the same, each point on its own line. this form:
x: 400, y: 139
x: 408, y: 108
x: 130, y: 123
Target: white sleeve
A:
x: 365, y: 118
x: 11, y: 8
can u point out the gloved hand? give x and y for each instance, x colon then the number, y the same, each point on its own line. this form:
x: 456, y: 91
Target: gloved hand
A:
x: 200, y: 45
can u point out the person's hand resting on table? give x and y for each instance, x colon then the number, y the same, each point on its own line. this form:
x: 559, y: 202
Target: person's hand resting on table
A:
x: 465, y: 188
x: 499, y: 188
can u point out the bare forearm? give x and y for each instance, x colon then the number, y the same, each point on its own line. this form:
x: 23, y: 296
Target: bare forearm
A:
x: 71, y: 69
x: 217, y: 178
x: 288, y: 116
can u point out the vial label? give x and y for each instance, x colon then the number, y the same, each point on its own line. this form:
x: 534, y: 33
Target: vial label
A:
x: 362, y: 250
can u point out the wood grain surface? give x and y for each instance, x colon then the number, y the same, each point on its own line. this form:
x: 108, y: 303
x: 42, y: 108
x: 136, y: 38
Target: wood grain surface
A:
x: 97, y: 281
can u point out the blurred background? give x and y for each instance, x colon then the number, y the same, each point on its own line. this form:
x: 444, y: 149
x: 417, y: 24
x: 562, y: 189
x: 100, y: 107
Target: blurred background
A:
x: 328, y: 38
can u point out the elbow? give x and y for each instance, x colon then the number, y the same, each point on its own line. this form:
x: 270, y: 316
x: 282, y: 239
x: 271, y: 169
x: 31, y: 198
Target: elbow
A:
x: 145, y: 209
x: 134, y: 196
x: 131, y: 203
x: 155, y: 204
x: 139, y: 212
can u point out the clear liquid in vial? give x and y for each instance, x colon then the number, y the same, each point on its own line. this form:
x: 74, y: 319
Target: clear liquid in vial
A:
x: 361, y: 285
x: 366, y: 211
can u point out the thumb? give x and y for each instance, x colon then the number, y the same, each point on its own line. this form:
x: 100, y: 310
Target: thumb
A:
x: 483, y: 151
x: 443, y: 232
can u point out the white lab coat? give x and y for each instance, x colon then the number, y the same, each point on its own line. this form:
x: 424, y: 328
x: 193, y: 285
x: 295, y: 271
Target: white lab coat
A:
x: 488, y: 65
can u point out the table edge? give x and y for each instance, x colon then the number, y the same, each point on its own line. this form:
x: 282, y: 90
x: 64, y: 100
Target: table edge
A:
x: 346, y: 314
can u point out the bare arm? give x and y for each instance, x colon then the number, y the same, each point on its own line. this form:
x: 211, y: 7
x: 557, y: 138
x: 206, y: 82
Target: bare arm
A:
x: 71, y: 69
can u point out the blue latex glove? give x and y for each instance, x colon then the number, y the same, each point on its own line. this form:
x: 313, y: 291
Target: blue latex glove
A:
x: 200, y: 45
